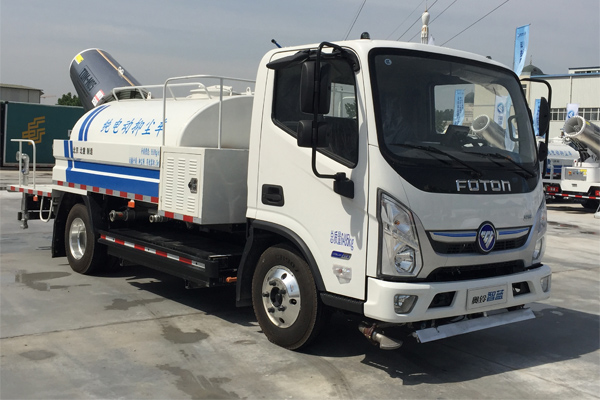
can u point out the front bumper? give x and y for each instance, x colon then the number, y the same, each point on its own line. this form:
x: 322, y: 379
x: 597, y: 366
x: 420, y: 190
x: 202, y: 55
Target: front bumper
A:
x: 380, y: 296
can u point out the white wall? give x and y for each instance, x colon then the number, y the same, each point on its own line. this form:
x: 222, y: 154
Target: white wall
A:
x: 574, y: 88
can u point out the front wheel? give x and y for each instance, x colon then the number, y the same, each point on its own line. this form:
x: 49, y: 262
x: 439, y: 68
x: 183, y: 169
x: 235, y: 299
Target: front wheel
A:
x: 285, y: 299
x: 85, y: 255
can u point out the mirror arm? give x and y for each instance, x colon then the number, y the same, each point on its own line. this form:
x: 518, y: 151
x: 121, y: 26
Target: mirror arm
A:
x: 341, y: 185
x: 511, y: 134
x: 545, y: 83
x: 543, y: 152
x: 547, y: 138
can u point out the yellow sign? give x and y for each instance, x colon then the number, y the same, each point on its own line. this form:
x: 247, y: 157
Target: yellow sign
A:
x: 79, y: 58
x: 35, y: 130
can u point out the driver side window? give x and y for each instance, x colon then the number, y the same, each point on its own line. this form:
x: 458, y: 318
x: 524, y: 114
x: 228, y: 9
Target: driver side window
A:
x: 342, y: 117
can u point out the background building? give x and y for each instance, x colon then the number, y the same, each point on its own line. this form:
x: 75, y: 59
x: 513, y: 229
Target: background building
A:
x: 579, y: 86
x: 22, y: 94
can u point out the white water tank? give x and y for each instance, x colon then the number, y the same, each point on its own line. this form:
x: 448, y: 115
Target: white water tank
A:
x: 190, y: 122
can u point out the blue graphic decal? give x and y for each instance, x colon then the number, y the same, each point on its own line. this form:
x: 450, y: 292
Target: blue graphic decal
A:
x: 116, y: 169
x: 125, y: 179
x: 458, y: 234
x: 513, y: 232
x: 83, y: 130
x: 68, y: 148
x: 340, y: 255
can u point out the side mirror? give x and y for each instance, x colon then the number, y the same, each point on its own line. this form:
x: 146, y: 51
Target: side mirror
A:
x: 544, y: 118
x: 305, y: 134
x: 542, y: 151
x: 309, y: 83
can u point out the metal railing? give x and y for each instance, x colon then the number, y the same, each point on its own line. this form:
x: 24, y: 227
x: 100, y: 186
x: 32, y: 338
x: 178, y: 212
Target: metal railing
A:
x: 146, y: 94
x: 221, y: 80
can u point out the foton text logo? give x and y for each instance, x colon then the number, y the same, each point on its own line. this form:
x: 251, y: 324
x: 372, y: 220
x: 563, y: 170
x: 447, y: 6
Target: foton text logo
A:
x: 482, y: 185
x: 35, y: 130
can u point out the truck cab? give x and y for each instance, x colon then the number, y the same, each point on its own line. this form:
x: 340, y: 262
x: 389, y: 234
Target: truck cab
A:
x: 446, y: 217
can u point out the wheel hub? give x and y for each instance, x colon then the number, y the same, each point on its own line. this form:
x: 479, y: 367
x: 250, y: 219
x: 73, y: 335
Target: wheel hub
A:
x: 77, y: 238
x: 281, y: 296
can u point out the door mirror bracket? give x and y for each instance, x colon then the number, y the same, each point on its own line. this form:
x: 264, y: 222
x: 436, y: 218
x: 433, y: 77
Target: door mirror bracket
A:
x: 315, y: 97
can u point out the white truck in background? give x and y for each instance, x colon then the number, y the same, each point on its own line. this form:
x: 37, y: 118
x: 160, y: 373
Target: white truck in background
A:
x: 579, y: 179
x: 328, y: 185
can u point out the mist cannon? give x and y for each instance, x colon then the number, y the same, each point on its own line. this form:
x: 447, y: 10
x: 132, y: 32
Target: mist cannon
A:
x: 486, y: 128
x: 95, y: 74
x: 584, y: 133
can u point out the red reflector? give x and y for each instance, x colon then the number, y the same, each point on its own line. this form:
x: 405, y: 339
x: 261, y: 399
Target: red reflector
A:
x: 552, y: 189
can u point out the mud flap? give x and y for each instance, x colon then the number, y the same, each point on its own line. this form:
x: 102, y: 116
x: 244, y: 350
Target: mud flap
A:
x: 472, y: 325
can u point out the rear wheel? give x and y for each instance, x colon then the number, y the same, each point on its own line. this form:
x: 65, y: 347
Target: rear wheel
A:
x: 85, y: 255
x: 590, y: 204
x: 285, y: 298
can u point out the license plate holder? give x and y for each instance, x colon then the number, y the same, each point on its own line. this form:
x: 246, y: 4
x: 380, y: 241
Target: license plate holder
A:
x: 487, y: 296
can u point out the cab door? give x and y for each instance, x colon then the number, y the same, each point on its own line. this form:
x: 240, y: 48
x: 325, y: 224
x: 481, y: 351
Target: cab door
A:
x: 289, y: 195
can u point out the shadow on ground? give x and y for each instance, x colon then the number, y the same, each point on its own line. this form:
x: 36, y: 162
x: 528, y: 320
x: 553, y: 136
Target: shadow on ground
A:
x: 557, y: 334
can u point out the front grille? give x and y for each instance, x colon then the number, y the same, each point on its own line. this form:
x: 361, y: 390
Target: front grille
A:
x: 481, y: 271
x: 465, y: 248
x: 465, y: 241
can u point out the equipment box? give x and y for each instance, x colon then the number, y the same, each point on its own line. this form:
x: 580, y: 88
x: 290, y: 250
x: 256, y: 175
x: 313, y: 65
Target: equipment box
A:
x: 207, y: 184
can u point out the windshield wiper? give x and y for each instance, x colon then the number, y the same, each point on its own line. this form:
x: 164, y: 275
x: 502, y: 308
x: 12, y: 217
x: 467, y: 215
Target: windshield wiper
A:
x: 507, y: 158
x: 431, y: 149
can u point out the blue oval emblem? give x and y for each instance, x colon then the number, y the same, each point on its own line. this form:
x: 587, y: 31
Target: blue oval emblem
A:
x: 486, y: 237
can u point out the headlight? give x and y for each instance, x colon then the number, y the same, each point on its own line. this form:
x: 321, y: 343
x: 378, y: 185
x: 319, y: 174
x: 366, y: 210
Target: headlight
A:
x: 400, y: 254
x: 542, y: 219
x: 540, y: 248
x: 542, y: 226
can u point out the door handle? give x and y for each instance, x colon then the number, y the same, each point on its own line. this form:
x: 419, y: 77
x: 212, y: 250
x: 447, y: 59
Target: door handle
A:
x: 272, y: 195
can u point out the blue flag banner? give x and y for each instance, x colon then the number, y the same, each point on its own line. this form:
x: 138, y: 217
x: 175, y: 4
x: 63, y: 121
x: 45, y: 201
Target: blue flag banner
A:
x: 572, y: 110
x: 536, y: 117
x: 500, y: 111
x: 521, y: 43
x: 459, y: 107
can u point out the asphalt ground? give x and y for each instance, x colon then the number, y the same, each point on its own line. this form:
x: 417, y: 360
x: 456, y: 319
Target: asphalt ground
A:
x: 139, y: 334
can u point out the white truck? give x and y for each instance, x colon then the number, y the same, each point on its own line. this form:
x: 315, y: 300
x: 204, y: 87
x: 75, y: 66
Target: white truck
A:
x: 330, y: 185
x: 580, y: 178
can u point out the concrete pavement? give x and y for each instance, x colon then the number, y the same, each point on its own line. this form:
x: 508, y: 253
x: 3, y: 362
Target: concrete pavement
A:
x: 139, y: 334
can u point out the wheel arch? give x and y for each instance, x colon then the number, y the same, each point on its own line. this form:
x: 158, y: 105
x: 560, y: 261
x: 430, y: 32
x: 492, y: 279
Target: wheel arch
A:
x: 65, y: 202
x: 260, y: 236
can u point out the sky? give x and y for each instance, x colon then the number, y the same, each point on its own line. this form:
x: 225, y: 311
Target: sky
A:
x: 157, y: 39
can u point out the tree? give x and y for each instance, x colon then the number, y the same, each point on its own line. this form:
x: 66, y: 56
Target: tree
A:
x: 69, y: 100
x: 442, y: 119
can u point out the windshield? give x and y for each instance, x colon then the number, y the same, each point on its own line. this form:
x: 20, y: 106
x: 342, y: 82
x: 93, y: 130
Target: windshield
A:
x: 454, y: 119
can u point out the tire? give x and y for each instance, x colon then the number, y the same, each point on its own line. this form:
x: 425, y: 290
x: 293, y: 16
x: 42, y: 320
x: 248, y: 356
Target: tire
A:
x: 591, y: 205
x: 86, y: 256
x: 285, y: 299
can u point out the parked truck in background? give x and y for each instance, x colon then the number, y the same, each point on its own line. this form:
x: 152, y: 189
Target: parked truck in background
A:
x: 580, y: 178
x: 332, y: 184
